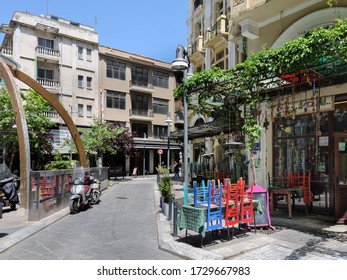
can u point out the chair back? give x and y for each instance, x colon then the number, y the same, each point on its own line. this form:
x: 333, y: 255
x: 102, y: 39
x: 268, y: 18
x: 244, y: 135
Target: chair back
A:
x: 200, y: 193
x: 214, y: 207
x: 232, y: 204
x: 188, y: 197
x: 247, y: 212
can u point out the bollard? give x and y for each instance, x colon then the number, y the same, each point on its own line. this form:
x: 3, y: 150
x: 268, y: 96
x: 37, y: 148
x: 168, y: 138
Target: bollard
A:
x: 174, y: 233
x: 170, y: 208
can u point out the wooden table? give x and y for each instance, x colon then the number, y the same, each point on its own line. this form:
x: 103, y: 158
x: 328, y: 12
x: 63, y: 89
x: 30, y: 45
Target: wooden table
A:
x: 289, y: 192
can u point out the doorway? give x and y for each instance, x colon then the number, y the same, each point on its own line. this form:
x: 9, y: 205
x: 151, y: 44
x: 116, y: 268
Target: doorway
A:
x: 340, y: 178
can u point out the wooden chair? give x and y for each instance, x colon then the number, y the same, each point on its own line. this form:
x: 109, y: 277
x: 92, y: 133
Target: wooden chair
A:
x: 188, y: 197
x: 246, y: 207
x: 200, y: 193
x: 232, y: 206
x: 214, y: 207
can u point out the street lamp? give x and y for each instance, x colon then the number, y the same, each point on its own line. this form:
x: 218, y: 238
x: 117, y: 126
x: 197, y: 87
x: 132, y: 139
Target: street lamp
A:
x: 144, y: 154
x: 182, y: 63
x: 168, y: 122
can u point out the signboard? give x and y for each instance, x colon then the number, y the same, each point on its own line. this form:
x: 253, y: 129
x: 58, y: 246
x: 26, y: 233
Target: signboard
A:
x: 261, y: 219
x: 160, y: 152
x: 61, y: 140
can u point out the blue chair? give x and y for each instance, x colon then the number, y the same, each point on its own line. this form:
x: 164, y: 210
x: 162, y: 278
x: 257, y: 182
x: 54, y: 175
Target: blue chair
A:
x: 188, y: 197
x: 200, y: 194
x: 214, y: 207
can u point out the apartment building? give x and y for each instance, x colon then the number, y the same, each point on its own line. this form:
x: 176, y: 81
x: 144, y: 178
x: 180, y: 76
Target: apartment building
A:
x: 226, y: 32
x: 62, y: 56
x: 137, y: 92
x: 91, y: 80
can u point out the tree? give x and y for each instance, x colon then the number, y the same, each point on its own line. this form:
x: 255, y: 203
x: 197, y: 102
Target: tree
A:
x: 39, y: 127
x: 106, y: 138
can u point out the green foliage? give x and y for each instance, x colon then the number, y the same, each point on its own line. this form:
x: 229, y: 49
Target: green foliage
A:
x: 165, y: 187
x: 60, y: 162
x: 244, y: 85
x: 104, y: 137
x: 38, y: 124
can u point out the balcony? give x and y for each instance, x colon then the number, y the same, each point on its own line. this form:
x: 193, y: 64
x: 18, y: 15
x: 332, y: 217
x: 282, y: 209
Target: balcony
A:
x: 6, y: 51
x: 141, y: 115
x: 47, y: 54
x: 218, y: 32
x: 48, y: 84
x: 196, y: 49
x: 53, y: 116
x: 141, y: 87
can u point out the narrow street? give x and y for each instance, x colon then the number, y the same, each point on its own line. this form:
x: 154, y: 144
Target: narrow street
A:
x: 122, y: 227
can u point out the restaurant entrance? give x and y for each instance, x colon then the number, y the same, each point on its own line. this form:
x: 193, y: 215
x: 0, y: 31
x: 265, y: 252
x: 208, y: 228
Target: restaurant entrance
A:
x: 340, y: 178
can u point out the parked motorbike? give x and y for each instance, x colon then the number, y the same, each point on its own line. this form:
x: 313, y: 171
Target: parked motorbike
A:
x: 85, y: 191
x: 9, y: 186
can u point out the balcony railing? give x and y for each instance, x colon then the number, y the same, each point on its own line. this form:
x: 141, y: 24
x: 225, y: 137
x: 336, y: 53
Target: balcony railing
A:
x: 140, y: 84
x: 48, y: 83
x: 42, y: 51
x: 52, y: 115
x: 219, y: 28
x: 6, y: 50
x: 141, y: 113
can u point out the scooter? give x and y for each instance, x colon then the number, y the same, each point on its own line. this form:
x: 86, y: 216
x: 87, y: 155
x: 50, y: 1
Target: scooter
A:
x: 85, y: 191
x: 9, y: 186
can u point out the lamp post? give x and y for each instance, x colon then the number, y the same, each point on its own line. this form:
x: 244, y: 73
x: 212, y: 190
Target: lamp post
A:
x: 168, y: 122
x: 182, y: 63
x: 144, y: 154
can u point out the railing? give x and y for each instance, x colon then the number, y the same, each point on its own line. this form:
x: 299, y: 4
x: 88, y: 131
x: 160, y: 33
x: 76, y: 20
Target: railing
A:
x: 53, y: 115
x: 6, y: 50
x: 220, y: 27
x: 49, y: 191
x: 48, y: 83
x: 48, y: 52
x: 139, y: 112
x: 140, y: 84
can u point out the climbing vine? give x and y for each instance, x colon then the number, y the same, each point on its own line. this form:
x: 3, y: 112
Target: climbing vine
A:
x: 245, y: 84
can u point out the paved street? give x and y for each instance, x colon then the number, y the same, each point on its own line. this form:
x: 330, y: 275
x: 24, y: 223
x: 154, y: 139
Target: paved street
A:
x: 123, y: 226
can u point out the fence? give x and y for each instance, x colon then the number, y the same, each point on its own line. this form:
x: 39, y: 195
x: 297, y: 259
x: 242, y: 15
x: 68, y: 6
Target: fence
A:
x: 49, y: 191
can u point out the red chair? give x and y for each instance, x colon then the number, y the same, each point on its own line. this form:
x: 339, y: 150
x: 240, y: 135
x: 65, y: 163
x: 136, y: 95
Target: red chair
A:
x: 232, y: 206
x: 247, y: 212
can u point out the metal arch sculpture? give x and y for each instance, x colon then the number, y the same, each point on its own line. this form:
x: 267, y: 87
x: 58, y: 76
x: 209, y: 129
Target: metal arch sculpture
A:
x: 8, y: 70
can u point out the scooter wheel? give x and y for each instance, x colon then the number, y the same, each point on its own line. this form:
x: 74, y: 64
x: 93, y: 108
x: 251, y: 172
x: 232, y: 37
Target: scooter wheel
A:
x: 74, y: 209
x: 95, y: 198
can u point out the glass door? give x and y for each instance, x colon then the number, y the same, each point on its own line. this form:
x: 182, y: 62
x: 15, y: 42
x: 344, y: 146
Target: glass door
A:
x: 340, y: 178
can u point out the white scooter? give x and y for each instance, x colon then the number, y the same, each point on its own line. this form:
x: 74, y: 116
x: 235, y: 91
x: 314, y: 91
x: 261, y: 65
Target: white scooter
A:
x: 85, y: 191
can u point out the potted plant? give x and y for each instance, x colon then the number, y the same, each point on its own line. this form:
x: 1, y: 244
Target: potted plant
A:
x: 165, y: 187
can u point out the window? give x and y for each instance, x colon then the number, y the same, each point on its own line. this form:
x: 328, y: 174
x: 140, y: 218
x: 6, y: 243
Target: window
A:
x: 115, y: 99
x: 45, y: 74
x: 139, y: 129
x: 89, y: 54
x: 80, y: 53
x: 89, y: 111
x: 160, y: 106
x: 80, y: 110
x: 80, y: 81
x: 139, y: 76
x: 89, y: 82
x: 160, y: 79
x: 45, y: 43
x: 160, y: 131
x: 115, y: 69
x: 139, y: 102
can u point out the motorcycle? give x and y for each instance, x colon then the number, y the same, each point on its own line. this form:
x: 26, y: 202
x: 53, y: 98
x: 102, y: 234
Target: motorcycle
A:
x: 9, y: 186
x: 85, y: 191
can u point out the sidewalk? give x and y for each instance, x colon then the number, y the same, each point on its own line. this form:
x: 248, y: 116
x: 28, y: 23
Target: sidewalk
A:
x: 303, y: 237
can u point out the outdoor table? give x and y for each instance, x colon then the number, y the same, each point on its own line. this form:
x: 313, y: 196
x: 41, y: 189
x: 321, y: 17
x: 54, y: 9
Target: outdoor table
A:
x: 194, y: 218
x: 289, y: 192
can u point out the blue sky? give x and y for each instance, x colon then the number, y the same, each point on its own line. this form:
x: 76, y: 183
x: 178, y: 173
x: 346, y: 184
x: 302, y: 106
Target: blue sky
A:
x: 152, y: 28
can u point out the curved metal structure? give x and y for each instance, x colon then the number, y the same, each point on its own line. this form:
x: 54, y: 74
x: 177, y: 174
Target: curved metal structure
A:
x: 8, y: 70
